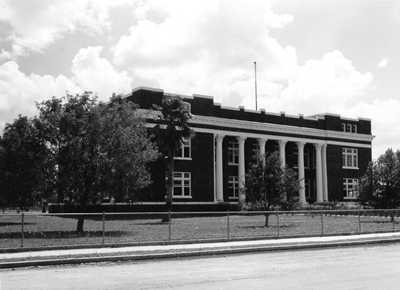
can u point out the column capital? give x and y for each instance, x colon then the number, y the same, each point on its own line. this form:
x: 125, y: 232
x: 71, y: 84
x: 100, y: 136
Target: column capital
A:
x: 262, y: 139
x: 219, y: 136
x: 241, y: 138
x: 318, y: 146
x: 300, y: 144
x: 282, y: 141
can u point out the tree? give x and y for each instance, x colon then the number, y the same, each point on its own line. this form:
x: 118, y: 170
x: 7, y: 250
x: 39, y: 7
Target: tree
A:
x: 267, y: 184
x: 97, y: 149
x: 22, y: 159
x: 380, y: 186
x: 175, y: 116
x: 126, y: 149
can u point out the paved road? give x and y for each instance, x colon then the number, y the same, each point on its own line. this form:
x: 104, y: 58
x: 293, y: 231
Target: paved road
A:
x: 367, y: 267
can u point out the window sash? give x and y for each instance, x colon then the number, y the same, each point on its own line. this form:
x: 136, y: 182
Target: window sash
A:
x: 184, y: 150
x: 233, y: 152
x: 350, y: 157
x: 182, y: 184
x: 233, y: 186
x: 351, y: 188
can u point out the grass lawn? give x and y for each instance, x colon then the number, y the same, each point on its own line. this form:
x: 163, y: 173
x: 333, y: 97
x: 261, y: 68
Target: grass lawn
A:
x: 43, y: 230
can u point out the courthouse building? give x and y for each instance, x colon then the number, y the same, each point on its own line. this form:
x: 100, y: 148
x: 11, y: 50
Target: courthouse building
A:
x: 329, y: 152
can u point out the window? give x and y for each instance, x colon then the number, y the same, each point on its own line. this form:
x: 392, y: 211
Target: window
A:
x: 349, y: 127
x: 182, y: 184
x: 233, y: 152
x: 184, y: 151
x: 350, y: 188
x: 187, y: 106
x: 255, y: 151
x: 350, y: 158
x: 233, y: 187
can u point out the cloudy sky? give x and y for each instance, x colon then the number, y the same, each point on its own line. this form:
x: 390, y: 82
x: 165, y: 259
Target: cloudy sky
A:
x: 313, y: 56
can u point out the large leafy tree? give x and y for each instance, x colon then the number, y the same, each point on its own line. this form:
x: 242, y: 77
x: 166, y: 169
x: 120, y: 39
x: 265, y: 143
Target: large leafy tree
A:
x: 268, y: 185
x: 23, y: 155
x: 380, y: 186
x: 126, y: 149
x: 175, y: 116
x: 97, y: 149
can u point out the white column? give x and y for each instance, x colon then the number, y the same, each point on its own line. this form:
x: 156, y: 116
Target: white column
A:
x: 318, y: 174
x: 300, y: 164
x: 324, y: 172
x: 282, y: 152
x: 261, y: 145
x: 219, y: 169
x: 242, y: 180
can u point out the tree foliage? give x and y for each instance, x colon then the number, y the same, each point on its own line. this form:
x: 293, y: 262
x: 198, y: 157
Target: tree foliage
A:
x: 175, y: 116
x: 269, y: 186
x: 91, y: 150
x: 380, y: 186
x: 22, y: 157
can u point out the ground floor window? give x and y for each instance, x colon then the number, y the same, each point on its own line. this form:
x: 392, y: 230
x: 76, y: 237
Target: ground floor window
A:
x: 233, y: 187
x: 350, y: 188
x: 182, y: 184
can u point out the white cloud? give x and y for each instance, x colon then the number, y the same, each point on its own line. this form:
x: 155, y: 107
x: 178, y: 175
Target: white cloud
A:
x: 329, y: 84
x: 19, y: 92
x: 95, y: 73
x: 90, y: 72
x: 204, y: 47
x: 35, y: 24
x: 383, y: 63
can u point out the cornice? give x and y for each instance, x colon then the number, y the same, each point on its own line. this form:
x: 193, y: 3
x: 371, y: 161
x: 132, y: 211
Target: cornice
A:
x: 284, y: 129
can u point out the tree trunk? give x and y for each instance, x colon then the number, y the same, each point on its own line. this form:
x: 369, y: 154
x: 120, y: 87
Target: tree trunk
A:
x: 169, y: 185
x: 79, y: 225
x: 266, y: 219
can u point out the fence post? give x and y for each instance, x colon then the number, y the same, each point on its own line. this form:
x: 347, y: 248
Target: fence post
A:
x: 322, y: 223
x: 277, y: 223
x: 22, y: 229
x: 169, y: 226
x: 359, y: 222
x: 228, y: 227
x: 103, y: 218
x: 393, y: 222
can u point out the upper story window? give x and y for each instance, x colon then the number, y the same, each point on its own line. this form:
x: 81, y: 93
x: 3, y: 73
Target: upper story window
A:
x: 182, y: 184
x: 350, y: 158
x: 233, y: 152
x: 233, y: 187
x: 187, y: 106
x: 350, y: 188
x: 184, y: 151
x: 349, y: 127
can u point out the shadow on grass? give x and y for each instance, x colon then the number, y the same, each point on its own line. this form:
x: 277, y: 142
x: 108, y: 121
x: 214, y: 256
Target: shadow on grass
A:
x: 284, y: 226
x: 380, y: 222
x: 61, y: 234
x: 5, y: 224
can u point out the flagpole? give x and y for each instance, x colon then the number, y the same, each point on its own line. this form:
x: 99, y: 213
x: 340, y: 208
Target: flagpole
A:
x: 255, y: 83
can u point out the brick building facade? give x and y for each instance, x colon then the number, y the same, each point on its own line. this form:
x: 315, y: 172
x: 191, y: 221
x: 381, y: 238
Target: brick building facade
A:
x: 329, y: 153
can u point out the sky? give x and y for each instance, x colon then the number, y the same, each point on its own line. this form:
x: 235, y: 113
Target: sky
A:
x: 333, y: 56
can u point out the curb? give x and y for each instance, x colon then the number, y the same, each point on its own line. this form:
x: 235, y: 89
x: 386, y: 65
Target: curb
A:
x: 194, y: 253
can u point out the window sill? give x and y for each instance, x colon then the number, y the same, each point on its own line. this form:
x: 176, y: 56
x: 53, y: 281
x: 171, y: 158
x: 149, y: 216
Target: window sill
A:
x: 354, y: 168
x: 233, y: 164
x: 182, y: 196
x: 182, y: 158
x: 350, y: 198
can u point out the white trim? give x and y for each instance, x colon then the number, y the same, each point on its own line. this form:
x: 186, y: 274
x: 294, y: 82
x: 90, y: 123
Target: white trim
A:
x: 349, y: 167
x: 287, y: 129
x: 275, y: 137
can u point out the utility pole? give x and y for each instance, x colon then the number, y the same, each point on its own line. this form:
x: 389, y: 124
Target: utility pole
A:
x: 255, y: 83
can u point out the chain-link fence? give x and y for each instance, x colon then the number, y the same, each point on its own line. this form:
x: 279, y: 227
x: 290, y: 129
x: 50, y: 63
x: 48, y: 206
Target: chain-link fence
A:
x: 43, y: 230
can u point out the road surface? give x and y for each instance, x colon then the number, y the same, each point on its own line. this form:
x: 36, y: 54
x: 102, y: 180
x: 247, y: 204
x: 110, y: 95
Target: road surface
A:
x: 363, y: 267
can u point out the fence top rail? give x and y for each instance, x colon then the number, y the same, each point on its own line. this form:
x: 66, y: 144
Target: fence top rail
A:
x: 314, y: 211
